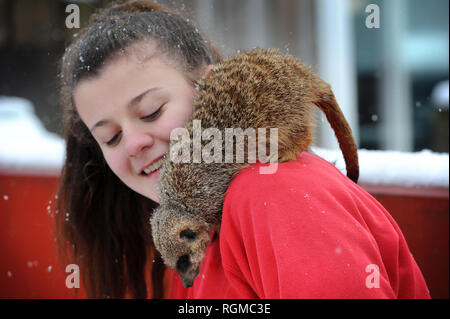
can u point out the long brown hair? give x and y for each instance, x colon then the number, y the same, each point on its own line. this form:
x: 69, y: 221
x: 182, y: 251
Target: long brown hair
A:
x: 101, y: 224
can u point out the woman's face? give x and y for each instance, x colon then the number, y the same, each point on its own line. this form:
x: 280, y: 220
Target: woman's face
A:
x: 131, y: 109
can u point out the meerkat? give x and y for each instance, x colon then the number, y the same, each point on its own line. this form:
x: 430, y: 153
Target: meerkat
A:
x: 254, y: 89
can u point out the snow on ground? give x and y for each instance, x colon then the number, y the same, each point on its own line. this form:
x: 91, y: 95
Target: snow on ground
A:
x: 394, y: 168
x: 27, y: 148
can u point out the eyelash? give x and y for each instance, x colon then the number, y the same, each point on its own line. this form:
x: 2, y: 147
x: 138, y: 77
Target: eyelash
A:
x: 152, y: 116
x: 111, y: 141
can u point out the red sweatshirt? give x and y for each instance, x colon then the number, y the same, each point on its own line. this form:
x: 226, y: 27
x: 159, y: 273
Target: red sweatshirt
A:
x: 306, y: 231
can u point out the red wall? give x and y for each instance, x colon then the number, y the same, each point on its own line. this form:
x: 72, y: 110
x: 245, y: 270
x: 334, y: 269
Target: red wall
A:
x: 27, y: 244
x: 422, y: 215
x: 29, y: 267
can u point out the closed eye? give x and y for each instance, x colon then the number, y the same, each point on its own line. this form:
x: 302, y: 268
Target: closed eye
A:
x: 153, y: 115
x: 188, y: 234
x: 113, y: 140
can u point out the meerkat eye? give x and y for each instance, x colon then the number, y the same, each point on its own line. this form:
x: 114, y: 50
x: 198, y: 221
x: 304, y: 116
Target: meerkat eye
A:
x: 183, y: 263
x: 188, y: 234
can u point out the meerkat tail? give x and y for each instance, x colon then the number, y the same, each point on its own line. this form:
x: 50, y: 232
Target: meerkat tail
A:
x: 328, y: 105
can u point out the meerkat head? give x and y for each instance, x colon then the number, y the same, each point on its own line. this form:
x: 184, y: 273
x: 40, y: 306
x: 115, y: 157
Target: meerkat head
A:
x: 182, y: 240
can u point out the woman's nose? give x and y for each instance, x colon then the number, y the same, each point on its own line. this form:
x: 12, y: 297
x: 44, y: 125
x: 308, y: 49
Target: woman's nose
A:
x: 136, y: 142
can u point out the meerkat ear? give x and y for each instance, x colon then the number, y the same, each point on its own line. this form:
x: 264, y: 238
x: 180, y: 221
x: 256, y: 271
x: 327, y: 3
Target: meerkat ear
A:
x: 188, y: 234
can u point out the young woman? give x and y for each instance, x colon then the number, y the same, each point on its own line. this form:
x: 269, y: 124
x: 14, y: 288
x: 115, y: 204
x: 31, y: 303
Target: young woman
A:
x: 305, y: 232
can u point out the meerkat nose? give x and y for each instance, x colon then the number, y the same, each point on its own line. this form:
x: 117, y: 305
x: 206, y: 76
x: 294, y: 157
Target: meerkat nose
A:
x: 187, y: 283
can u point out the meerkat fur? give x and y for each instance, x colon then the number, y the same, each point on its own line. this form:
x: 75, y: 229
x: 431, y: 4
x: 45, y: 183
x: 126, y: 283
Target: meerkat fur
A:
x: 254, y: 89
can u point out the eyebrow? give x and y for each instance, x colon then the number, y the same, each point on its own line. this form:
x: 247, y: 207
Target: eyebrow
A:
x: 130, y: 104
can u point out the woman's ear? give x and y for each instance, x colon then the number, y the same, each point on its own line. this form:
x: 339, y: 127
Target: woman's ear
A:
x: 208, y: 70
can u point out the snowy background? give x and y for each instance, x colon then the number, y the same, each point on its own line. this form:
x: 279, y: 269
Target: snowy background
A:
x: 27, y: 148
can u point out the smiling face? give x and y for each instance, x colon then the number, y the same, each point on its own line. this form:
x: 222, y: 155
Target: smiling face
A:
x: 130, y: 108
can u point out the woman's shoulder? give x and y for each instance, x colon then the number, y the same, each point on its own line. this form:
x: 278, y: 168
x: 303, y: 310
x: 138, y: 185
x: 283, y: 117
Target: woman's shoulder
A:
x: 307, y: 172
x: 308, y: 181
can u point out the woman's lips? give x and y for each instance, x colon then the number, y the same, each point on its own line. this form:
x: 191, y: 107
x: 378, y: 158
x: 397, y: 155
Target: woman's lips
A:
x: 153, y: 174
x: 152, y: 167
